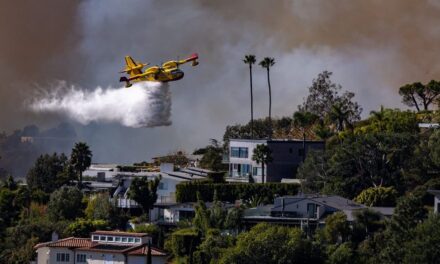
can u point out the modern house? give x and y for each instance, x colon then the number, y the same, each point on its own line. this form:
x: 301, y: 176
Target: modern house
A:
x: 167, y: 186
x: 103, y: 247
x: 171, y: 214
x: 307, y: 210
x: 287, y: 155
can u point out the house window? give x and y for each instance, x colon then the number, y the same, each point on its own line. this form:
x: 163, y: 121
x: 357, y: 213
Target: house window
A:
x: 137, y: 240
x: 162, y: 186
x: 130, y: 240
x: 63, y: 257
x: 237, y: 152
x: 245, y: 169
x: 81, y: 258
x: 95, y: 238
x: 102, y: 238
x: 257, y: 171
x: 110, y: 239
x: 311, y: 210
x: 124, y: 240
x: 117, y: 239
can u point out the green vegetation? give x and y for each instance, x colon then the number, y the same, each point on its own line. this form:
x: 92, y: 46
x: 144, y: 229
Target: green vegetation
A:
x: 262, y: 155
x: 230, y: 192
x: 80, y: 159
x: 383, y: 160
x: 143, y: 191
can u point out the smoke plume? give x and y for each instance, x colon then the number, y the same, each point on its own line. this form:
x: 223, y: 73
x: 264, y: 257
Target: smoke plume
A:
x: 145, y: 104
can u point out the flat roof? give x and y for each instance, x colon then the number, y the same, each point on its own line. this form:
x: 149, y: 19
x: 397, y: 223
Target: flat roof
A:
x: 118, y: 233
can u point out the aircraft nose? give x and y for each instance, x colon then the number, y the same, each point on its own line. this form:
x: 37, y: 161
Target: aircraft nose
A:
x: 178, y: 74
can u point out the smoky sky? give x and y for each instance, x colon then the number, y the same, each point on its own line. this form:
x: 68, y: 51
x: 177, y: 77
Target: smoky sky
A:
x: 372, y: 47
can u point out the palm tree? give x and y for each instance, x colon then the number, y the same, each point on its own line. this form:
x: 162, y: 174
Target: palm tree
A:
x: 379, y: 118
x: 304, y: 120
x: 250, y: 59
x: 262, y: 154
x: 340, y: 116
x: 80, y: 159
x: 268, y: 62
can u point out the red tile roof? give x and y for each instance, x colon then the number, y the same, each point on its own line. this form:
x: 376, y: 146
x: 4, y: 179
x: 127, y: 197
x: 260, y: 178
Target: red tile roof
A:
x: 144, y: 251
x: 118, y: 233
x: 87, y: 245
x: 70, y: 242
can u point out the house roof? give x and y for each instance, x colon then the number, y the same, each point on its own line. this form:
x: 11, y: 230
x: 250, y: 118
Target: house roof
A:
x: 434, y: 192
x: 85, y: 244
x: 70, y: 242
x: 144, y: 251
x: 118, y: 233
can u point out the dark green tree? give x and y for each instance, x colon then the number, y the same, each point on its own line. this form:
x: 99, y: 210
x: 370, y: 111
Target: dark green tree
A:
x: 80, y: 159
x: 250, y: 60
x: 144, y: 192
x: 213, y: 157
x: 324, y: 94
x: 65, y: 204
x: 423, y: 246
x: 48, y: 173
x: 267, y: 63
x: 262, y: 155
x: 266, y: 243
x: 304, y: 120
x: 419, y: 95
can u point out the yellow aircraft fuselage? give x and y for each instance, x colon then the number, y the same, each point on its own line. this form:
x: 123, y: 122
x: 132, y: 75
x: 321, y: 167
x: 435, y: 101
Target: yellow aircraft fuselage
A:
x: 169, y: 71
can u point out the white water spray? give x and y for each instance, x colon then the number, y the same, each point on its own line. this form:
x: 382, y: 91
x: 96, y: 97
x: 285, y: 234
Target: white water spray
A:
x: 145, y: 104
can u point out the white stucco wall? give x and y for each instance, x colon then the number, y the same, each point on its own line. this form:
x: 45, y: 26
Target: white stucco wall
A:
x: 143, y: 260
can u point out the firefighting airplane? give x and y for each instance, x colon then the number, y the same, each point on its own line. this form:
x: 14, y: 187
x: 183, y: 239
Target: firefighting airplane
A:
x: 169, y: 71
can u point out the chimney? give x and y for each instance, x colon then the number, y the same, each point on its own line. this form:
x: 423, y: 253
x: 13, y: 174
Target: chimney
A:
x: 55, y: 236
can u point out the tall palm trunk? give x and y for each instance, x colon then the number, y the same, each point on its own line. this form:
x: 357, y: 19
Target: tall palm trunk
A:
x: 252, y: 103
x: 80, y: 180
x: 270, y: 104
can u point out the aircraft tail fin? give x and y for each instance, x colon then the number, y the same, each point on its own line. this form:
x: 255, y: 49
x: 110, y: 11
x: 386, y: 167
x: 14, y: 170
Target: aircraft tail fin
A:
x: 132, y: 67
x: 194, y: 57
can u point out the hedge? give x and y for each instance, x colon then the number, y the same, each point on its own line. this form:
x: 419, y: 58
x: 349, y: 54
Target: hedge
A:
x: 230, y: 192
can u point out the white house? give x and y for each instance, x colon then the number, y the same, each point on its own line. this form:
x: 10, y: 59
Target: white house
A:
x: 103, y: 247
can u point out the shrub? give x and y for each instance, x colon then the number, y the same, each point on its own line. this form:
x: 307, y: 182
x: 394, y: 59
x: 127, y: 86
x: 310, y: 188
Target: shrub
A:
x: 229, y: 192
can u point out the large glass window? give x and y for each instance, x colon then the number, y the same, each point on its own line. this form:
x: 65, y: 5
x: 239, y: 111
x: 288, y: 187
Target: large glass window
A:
x: 81, y: 258
x: 240, y: 170
x: 257, y: 171
x: 237, y: 152
x: 63, y: 257
x: 243, y: 152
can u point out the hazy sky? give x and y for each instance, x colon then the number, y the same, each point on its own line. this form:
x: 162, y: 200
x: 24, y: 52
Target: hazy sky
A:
x: 372, y: 47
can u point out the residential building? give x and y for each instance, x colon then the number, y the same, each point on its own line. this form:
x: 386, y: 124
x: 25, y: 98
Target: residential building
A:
x: 307, y: 210
x: 287, y: 155
x: 106, y: 247
x: 171, y: 214
x: 167, y: 187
